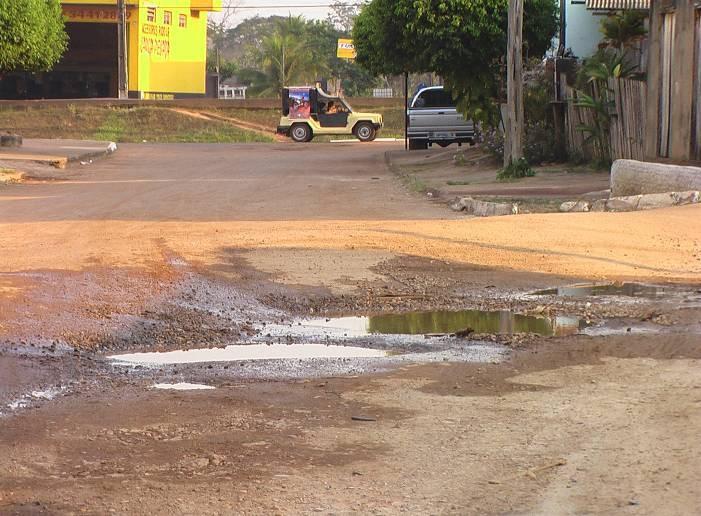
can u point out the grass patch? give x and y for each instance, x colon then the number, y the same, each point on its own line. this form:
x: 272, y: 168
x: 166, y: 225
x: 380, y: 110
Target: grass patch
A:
x: 111, y: 129
x: 457, y: 183
x: 122, y: 124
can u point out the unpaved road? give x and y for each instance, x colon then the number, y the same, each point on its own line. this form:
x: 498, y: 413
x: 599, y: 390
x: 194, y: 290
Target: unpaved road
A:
x: 176, y: 246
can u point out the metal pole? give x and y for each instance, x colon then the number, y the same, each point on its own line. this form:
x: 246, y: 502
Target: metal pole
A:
x: 122, y: 76
x: 406, y: 110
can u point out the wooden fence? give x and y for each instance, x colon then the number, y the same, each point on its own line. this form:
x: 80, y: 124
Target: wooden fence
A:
x: 627, y: 122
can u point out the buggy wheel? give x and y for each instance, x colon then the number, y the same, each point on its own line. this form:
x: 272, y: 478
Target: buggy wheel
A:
x: 365, y: 132
x: 301, y: 133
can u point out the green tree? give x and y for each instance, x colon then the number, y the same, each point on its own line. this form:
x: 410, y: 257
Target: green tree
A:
x: 323, y: 37
x: 287, y: 58
x: 464, y: 41
x: 622, y: 29
x: 32, y: 35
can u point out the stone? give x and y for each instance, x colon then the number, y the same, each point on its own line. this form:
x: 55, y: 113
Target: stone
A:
x: 630, y: 177
x: 652, y: 201
x: 622, y: 203
x: 575, y: 206
x: 456, y: 204
x: 483, y: 208
x: 598, y: 205
x: 690, y: 197
x: 567, y: 206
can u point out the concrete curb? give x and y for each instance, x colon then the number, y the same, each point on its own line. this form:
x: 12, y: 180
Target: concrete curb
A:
x: 634, y: 202
x: 61, y: 161
x: 111, y: 149
x: 483, y: 208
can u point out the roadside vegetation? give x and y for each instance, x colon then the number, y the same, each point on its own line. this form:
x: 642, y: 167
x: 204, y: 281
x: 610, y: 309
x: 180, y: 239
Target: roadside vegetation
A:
x: 123, y: 124
x: 32, y: 35
x: 268, y: 53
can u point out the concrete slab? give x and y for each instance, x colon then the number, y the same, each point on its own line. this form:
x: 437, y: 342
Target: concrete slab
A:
x: 57, y: 153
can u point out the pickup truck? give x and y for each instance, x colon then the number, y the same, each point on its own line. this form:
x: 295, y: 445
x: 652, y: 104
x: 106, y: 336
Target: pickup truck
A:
x: 433, y: 118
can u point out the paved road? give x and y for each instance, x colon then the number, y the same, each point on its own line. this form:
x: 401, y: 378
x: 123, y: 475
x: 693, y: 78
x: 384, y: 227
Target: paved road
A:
x: 195, y: 182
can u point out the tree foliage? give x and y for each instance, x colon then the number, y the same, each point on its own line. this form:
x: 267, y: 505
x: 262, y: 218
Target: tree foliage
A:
x: 464, y: 41
x: 622, y: 29
x: 32, y: 35
x: 256, y: 47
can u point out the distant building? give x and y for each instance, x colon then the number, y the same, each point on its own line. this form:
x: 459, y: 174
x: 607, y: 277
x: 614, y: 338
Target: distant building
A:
x: 582, y: 22
x: 166, y: 52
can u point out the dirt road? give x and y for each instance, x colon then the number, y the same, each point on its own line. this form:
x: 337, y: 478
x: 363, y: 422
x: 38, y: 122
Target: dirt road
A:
x: 181, y: 246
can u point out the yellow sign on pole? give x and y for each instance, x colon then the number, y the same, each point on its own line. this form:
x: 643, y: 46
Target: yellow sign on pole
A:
x: 346, y: 49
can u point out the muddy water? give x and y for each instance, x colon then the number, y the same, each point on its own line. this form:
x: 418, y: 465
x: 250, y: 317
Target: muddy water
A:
x: 445, y: 322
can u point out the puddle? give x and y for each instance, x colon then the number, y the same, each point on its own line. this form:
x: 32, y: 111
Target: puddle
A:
x: 623, y: 289
x: 248, y: 352
x: 445, y: 322
x: 183, y: 386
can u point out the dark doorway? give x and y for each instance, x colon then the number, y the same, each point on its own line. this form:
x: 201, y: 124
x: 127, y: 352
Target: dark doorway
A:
x: 87, y: 70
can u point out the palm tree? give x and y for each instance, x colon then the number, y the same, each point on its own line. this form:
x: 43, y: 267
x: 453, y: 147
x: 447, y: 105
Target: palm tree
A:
x: 287, y: 58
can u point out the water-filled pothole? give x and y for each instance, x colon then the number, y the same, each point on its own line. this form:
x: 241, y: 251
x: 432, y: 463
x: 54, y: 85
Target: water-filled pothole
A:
x: 247, y: 352
x: 183, y: 386
x: 444, y: 322
x: 621, y: 289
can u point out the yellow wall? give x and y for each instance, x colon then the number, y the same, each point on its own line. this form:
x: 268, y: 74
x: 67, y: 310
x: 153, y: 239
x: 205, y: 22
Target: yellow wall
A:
x: 163, y: 59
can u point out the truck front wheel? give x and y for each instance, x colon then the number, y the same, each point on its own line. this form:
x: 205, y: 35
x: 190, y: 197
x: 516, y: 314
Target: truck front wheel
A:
x: 301, y: 133
x: 365, y: 132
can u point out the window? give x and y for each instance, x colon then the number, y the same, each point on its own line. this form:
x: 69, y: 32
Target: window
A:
x: 151, y: 14
x: 167, y: 17
x: 182, y: 21
x: 438, y: 98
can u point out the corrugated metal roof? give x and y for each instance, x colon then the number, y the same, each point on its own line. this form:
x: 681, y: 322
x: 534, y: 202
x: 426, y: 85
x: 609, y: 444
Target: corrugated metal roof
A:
x: 641, y: 5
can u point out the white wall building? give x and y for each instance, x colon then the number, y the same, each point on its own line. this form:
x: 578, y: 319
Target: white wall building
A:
x: 583, y: 21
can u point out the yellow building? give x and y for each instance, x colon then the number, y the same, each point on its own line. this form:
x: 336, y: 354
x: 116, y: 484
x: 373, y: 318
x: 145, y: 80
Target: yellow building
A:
x: 166, y: 51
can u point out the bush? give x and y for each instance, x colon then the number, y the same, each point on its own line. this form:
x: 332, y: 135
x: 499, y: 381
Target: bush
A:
x: 539, y: 138
x: 538, y: 146
x: 516, y: 170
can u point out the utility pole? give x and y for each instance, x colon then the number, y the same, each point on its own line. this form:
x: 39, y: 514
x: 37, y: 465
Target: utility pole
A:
x: 122, y: 76
x: 406, y: 110
x: 513, y: 143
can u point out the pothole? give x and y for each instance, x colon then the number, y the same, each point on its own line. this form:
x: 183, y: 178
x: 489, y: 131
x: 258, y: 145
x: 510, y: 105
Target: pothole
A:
x: 237, y: 353
x: 461, y: 323
x: 183, y: 386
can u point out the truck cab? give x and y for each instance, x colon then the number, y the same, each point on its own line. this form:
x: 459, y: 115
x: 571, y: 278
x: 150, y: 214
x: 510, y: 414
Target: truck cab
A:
x: 308, y: 111
x: 433, y: 118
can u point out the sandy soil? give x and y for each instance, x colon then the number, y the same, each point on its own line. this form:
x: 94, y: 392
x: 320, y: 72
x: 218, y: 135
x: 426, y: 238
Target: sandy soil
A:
x: 144, y: 250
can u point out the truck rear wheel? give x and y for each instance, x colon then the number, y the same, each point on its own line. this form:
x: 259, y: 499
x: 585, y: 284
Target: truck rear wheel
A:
x: 365, y: 132
x: 301, y: 133
x: 415, y: 144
